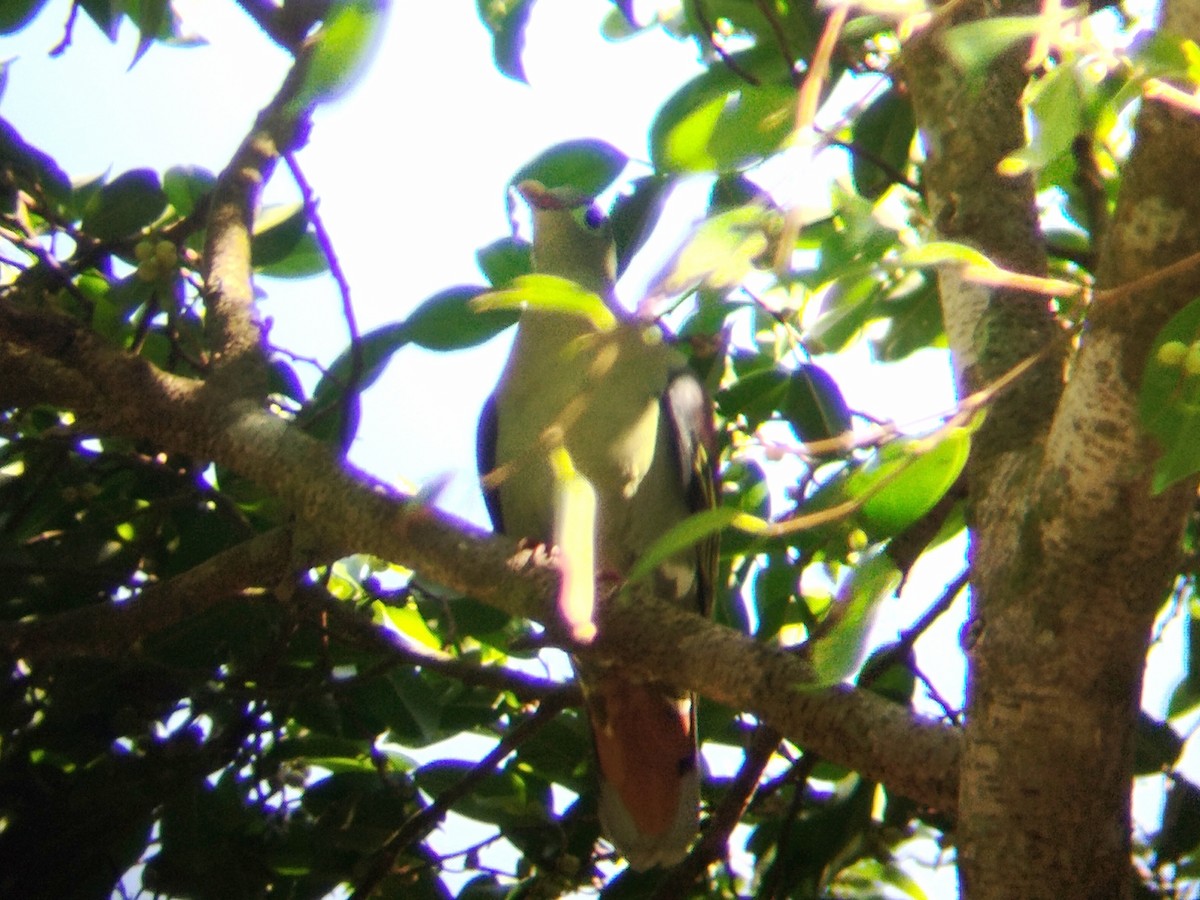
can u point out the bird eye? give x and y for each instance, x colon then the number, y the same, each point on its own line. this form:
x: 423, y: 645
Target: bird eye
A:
x: 593, y: 218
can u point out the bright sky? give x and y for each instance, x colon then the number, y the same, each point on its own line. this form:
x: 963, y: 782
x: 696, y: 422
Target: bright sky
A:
x: 411, y: 169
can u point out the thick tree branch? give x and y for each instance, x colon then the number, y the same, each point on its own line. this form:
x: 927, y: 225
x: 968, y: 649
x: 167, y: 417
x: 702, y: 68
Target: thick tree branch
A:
x: 239, y: 363
x: 1071, y: 554
x: 343, y: 511
x: 115, y: 629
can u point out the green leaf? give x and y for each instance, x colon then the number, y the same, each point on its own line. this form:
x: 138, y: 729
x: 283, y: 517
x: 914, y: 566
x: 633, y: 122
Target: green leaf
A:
x: 107, y: 16
x: 375, y: 349
x: 549, y: 293
x: 277, y: 232
x: 1169, y: 401
x: 885, y: 129
x: 124, y: 206
x: 407, y: 620
x: 451, y: 320
x: 914, y: 323
x: 345, y: 44
x: 16, y: 14
x: 720, y: 123
x: 153, y: 19
x: 587, y: 166
x: 1180, y: 832
x: 902, y: 487
x: 814, y: 404
x: 691, y: 531
x: 848, y: 304
x: 1057, y: 106
x: 720, y: 252
x: 304, y: 260
x: 504, y: 260
x: 507, y: 20
x: 635, y: 214
x: 501, y: 798
x: 836, y: 655
x: 185, y: 186
x: 1157, y: 746
x: 974, y: 45
x: 941, y: 253
x: 756, y: 396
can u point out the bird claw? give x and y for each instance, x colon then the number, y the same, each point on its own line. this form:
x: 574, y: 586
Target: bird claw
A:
x: 535, y: 555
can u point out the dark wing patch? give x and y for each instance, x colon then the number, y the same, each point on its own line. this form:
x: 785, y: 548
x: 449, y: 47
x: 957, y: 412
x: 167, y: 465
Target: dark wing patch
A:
x: 685, y: 405
x: 687, y: 408
x: 485, y: 459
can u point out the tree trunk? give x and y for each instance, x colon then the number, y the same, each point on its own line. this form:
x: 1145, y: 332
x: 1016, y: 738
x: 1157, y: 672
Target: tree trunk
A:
x: 1071, y: 555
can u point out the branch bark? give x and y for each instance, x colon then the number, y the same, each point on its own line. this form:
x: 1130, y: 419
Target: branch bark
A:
x: 341, y: 510
x: 1071, y: 555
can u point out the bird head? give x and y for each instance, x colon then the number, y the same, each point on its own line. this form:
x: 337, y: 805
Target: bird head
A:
x: 571, y: 236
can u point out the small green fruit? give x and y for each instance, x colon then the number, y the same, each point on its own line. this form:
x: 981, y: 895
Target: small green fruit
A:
x: 857, y: 540
x: 166, y: 254
x: 148, y: 270
x: 1191, y: 363
x: 143, y: 250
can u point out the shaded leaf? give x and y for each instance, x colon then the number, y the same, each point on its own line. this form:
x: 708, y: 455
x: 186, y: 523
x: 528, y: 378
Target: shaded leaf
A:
x: 635, y: 214
x: 587, y: 166
x: 304, y: 260
x: 124, y: 206
x: 814, y: 404
x: 1157, y: 746
x: 507, y: 20
x: 452, y: 320
x: 185, y: 186
x: 504, y: 260
x: 837, y: 653
x: 277, y: 231
x: 885, y: 130
x: 16, y: 14
x: 35, y: 171
x: 1180, y: 832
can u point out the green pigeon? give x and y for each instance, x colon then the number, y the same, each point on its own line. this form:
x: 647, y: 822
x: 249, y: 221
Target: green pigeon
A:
x: 598, y: 441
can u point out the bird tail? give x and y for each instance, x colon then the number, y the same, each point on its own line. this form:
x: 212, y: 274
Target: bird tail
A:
x: 650, y: 780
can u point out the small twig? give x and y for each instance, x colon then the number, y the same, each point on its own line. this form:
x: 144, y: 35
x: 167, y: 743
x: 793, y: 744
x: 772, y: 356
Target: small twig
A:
x: 899, y: 651
x: 325, y: 242
x: 423, y: 822
x: 60, y: 48
x: 768, y: 12
x: 808, y: 98
x: 349, y: 623
x: 894, y: 174
x: 1153, y: 279
x: 28, y: 242
x: 799, y: 775
x: 729, y: 62
x: 952, y: 715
